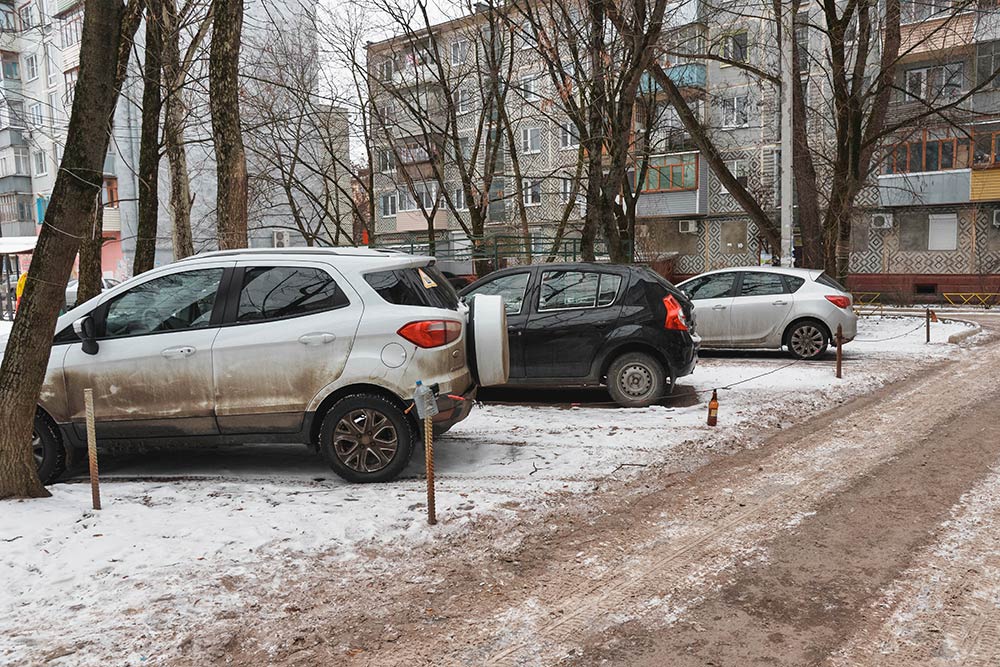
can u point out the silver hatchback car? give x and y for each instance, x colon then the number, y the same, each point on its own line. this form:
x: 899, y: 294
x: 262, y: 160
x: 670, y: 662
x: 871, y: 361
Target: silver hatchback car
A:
x: 771, y: 307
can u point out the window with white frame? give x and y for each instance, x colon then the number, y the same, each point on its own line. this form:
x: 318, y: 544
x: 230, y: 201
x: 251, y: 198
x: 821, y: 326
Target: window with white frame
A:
x: 8, y: 19
x: 568, y: 137
x: 459, y: 51
x: 529, y: 88
x: 988, y: 64
x: 531, y: 140
x: 942, y: 231
x: 734, y: 47
x: 35, y: 115
x: 72, y: 27
x: 388, y: 205
x: 51, y: 71
x: 16, y: 110
x: 738, y: 168
x: 464, y: 148
x: 70, y: 78
x: 735, y: 111
x: 31, y: 67
x: 386, y: 69
x: 463, y: 101
x: 41, y: 164
x: 424, y: 195
x: 21, y: 167
x: 566, y: 191
x: 527, y: 36
x: 531, y: 191
x: 386, y: 161
x: 458, y: 198
x: 53, y: 108
x: 26, y: 14
x: 931, y: 83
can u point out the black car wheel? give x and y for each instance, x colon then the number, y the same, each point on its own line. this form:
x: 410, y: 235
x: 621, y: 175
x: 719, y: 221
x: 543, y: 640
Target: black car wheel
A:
x: 807, y: 339
x: 366, y: 438
x: 50, y: 456
x: 635, y: 380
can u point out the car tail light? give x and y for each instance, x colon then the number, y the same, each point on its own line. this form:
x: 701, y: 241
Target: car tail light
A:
x: 675, y: 314
x: 839, y: 301
x: 431, y: 333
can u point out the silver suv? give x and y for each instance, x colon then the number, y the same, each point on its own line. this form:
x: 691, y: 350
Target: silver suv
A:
x: 319, y: 346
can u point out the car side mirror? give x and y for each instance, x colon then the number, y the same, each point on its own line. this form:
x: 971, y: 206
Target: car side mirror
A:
x: 86, y: 331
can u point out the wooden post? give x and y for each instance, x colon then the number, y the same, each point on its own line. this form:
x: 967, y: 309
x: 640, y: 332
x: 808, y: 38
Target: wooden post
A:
x: 95, y: 487
x: 840, y: 349
x: 429, y: 463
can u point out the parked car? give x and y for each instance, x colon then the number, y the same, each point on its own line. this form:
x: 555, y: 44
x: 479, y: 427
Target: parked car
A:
x: 73, y: 286
x: 771, y: 307
x: 595, y: 324
x: 318, y: 346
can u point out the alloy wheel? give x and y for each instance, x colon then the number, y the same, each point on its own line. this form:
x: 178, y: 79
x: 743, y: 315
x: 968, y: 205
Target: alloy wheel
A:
x: 807, y: 341
x: 365, y: 440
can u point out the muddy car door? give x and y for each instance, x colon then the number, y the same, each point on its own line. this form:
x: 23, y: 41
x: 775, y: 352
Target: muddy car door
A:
x: 152, y: 372
x: 289, y: 329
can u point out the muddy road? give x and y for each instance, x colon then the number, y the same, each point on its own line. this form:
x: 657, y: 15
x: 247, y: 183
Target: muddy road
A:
x: 862, y: 536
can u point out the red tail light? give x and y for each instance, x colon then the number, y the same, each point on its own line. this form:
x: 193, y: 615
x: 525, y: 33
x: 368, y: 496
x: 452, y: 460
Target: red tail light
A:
x: 431, y: 333
x: 839, y: 301
x: 675, y: 314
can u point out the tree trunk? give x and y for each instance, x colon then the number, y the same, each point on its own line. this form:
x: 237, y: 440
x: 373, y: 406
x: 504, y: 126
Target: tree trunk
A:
x: 69, y: 216
x: 149, y: 143
x: 227, y: 135
x: 91, y: 269
x: 173, y: 133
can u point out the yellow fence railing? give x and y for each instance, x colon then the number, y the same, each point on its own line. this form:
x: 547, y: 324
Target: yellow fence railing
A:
x: 983, y: 299
x: 867, y: 303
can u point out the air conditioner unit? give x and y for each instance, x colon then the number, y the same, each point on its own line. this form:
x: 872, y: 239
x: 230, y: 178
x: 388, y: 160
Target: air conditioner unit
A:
x: 996, y: 218
x: 281, y: 238
x: 882, y: 221
x: 688, y: 226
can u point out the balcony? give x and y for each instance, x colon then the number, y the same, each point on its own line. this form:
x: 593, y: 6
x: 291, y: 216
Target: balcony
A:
x: 985, y: 184
x: 952, y: 186
x: 687, y: 75
x: 676, y: 185
x: 15, y: 184
x: 414, y: 221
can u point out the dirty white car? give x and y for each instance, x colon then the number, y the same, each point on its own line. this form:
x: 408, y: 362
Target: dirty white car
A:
x: 319, y: 346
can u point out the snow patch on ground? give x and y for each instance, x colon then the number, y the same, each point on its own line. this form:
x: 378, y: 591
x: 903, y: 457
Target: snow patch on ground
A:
x: 192, y: 536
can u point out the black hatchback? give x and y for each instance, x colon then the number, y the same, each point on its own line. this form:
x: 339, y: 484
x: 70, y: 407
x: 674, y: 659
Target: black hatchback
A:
x: 579, y: 325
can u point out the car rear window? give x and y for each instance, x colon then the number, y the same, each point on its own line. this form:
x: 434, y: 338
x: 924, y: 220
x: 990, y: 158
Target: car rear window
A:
x: 423, y: 286
x: 824, y: 279
x: 794, y: 283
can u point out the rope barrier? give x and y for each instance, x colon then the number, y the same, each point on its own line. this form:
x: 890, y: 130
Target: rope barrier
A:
x: 882, y: 340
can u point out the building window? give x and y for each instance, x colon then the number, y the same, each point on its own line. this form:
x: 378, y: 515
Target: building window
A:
x: 529, y: 88
x: 21, y: 167
x: 69, y: 79
x: 568, y: 137
x: 734, y: 47
x: 735, y: 111
x: 389, y: 205
x: 386, y: 161
x: 53, y: 104
x: 110, y: 193
x: 738, y: 168
x: 988, y: 65
x: 464, y: 148
x: 531, y: 140
x: 459, y: 51
x: 463, y: 101
x: 931, y: 83
x: 72, y: 28
x: 531, y: 192
x: 802, y: 40
x: 672, y: 172
x: 929, y: 151
x: 424, y: 196
x: 35, y: 115
x: 51, y: 71
x: 912, y: 11
x: 987, y: 149
x: 41, y: 168
x: 527, y: 36
x: 458, y: 198
x: 942, y: 231
x: 31, y: 67
x: 26, y: 14
x: 8, y: 19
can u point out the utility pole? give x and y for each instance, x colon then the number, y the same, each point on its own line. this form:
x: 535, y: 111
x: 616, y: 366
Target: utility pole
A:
x: 787, y: 21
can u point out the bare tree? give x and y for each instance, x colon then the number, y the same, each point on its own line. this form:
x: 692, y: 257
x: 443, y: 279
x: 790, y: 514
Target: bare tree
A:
x: 108, y: 28
x: 149, y: 141
x: 227, y: 134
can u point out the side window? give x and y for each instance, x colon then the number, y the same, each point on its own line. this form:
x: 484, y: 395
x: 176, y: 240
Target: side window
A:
x: 568, y: 289
x: 511, y: 288
x: 761, y: 284
x: 715, y: 286
x: 609, y: 289
x: 794, y: 283
x: 273, y: 292
x: 168, y: 303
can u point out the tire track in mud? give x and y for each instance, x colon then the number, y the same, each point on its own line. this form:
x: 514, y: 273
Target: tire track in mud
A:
x: 800, y: 469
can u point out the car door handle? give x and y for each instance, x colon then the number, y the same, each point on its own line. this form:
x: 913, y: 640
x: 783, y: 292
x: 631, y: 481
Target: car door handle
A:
x: 178, y: 352
x: 779, y: 303
x: 514, y: 331
x: 321, y: 338
x: 719, y: 307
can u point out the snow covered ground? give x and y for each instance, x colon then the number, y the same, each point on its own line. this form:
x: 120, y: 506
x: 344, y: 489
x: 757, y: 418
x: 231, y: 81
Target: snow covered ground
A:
x: 178, y: 528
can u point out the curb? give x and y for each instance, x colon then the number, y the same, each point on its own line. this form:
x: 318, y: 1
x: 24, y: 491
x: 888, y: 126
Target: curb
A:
x: 956, y: 338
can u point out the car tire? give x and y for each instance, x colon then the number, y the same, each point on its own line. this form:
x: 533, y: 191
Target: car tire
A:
x: 48, y: 450
x: 366, y: 438
x: 807, y: 339
x: 636, y: 380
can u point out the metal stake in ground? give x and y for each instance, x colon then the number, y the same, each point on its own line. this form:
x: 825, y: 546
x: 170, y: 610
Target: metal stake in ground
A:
x: 928, y: 316
x: 95, y: 487
x: 426, y: 404
x: 840, y: 348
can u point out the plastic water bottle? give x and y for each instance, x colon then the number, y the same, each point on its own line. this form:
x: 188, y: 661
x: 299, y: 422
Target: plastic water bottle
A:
x: 424, y: 401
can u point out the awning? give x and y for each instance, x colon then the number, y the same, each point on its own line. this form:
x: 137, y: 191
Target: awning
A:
x: 17, y: 245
